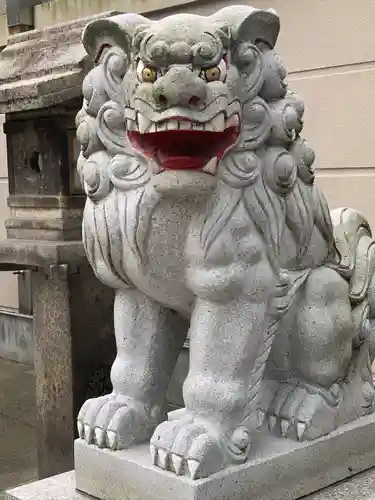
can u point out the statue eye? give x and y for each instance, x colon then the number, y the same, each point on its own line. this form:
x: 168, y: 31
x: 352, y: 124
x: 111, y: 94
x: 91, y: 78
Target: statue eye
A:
x: 146, y: 74
x: 216, y: 73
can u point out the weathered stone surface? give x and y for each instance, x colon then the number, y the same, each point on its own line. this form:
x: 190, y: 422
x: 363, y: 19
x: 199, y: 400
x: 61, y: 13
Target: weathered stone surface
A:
x: 360, y: 487
x: 43, y: 67
x: 276, y: 470
x: 68, y: 308
x: 41, y: 166
x: 60, y: 487
x: 204, y: 215
x: 129, y: 474
x: 18, y: 254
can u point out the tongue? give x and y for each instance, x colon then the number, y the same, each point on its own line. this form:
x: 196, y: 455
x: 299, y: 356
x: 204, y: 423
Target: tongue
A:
x: 183, y: 162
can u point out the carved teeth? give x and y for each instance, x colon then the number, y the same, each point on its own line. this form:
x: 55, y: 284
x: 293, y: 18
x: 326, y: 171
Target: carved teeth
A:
x: 233, y: 121
x: 130, y: 125
x: 172, y: 125
x: 130, y: 114
x: 209, y: 127
x: 198, y: 126
x: 218, y: 123
x: 185, y: 125
x: 161, y: 127
x: 143, y: 123
x: 210, y: 168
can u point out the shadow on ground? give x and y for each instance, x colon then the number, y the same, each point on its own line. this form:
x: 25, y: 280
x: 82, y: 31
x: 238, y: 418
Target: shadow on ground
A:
x: 18, y: 459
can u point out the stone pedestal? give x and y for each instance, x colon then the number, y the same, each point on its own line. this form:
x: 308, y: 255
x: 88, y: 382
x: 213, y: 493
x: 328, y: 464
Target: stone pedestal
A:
x: 63, y: 487
x: 279, y: 470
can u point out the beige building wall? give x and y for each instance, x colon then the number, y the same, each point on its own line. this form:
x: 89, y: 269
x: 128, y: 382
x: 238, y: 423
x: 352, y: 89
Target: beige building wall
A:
x: 8, y: 281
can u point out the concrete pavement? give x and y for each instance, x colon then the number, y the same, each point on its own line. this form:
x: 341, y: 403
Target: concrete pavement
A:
x: 18, y: 460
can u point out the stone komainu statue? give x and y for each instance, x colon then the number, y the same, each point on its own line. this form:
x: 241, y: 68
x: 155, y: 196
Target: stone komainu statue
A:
x: 203, y: 214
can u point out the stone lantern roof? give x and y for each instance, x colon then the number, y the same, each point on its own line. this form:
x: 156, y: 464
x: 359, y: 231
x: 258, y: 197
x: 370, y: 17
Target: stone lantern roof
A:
x: 44, y: 67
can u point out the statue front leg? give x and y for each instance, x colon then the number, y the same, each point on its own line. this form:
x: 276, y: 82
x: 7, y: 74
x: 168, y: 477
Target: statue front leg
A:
x: 225, y: 343
x: 149, y: 339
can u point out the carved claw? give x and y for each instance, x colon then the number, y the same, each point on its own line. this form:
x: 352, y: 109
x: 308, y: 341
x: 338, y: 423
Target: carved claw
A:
x: 81, y: 429
x: 177, y: 463
x: 116, y: 422
x: 162, y: 459
x: 112, y: 440
x: 88, y: 434
x: 273, y: 423
x: 301, y: 429
x: 296, y: 406
x: 154, y: 454
x: 193, y: 466
x: 190, y: 448
x: 100, y: 437
x: 285, y: 424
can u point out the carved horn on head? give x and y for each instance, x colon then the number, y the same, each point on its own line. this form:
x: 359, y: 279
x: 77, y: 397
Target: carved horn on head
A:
x: 115, y: 31
x: 259, y: 26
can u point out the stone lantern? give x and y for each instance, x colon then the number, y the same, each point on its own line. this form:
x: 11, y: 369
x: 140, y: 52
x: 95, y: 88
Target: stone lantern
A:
x: 41, y: 74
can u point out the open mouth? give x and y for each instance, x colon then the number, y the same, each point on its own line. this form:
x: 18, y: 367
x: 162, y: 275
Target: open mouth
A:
x: 182, y: 144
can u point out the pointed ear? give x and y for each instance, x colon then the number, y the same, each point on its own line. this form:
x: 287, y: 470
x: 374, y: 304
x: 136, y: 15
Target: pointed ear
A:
x: 103, y: 33
x: 259, y: 26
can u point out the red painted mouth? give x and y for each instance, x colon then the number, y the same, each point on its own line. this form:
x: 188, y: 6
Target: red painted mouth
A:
x: 184, y: 149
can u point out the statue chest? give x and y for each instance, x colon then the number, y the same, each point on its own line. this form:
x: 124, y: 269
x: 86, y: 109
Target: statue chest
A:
x: 160, y: 271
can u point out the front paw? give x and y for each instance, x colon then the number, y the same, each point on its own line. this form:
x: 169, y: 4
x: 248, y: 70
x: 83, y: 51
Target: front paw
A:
x: 116, y: 421
x: 197, y: 449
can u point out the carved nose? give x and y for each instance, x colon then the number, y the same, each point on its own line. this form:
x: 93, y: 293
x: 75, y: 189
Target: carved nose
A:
x: 179, y: 87
x: 165, y: 100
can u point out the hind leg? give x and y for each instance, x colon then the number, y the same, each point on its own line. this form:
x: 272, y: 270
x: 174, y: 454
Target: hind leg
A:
x: 307, y: 402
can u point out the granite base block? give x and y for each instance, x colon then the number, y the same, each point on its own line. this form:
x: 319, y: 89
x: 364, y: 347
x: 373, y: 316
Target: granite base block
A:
x: 279, y: 469
x: 61, y: 487
x: 360, y: 487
